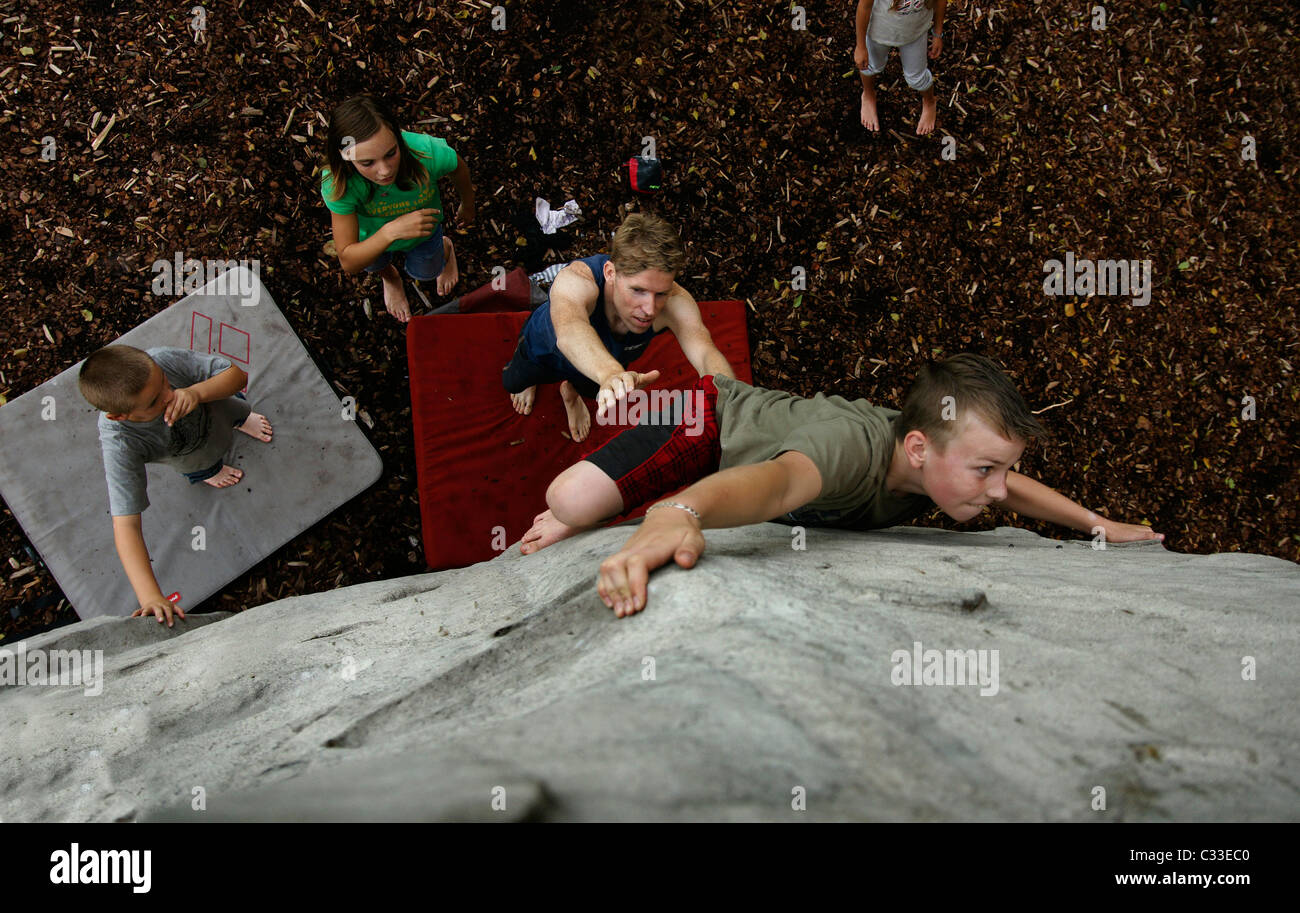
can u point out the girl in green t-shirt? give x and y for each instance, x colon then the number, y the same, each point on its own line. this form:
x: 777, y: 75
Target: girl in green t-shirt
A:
x: 381, y: 188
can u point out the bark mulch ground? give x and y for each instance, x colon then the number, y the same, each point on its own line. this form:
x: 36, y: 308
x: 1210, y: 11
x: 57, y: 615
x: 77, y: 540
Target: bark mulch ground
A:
x: 1122, y: 143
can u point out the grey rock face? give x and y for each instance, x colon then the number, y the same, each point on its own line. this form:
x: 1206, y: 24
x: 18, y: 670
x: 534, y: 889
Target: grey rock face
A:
x: 761, y: 685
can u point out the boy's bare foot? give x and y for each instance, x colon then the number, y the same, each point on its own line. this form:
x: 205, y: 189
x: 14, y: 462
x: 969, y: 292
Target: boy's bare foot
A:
x: 579, y: 416
x: 450, y: 275
x: 256, y: 426
x: 869, y: 118
x: 546, y: 530
x: 228, y: 476
x: 929, y: 112
x: 523, y: 402
x: 395, y: 295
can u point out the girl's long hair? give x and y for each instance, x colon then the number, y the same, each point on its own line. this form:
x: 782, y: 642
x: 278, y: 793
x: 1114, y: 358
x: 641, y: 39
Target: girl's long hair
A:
x: 356, y: 120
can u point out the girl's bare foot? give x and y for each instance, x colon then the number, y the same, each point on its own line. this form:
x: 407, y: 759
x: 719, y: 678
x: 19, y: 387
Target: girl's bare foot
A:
x: 546, y: 530
x: 523, y: 402
x: 228, y: 476
x: 450, y: 275
x: 869, y: 118
x: 579, y: 416
x: 395, y: 294
x: 256, y: 426
x: 929, y: 112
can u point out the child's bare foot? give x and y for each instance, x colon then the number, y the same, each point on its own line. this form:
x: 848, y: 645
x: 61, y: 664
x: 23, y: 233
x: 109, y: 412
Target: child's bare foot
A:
x: 546, y: 530
x: 523, y: 402
x: 579, y: 416
x: 929, y: 112
x: 256, y: 426
x: 228, y: 476
x: 450, y: 275
x: 395, y: 295
x: 869, y: 118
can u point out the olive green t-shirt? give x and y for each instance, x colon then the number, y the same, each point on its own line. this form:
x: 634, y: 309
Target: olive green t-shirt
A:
x: 850, y: 442
x: 374, y: 205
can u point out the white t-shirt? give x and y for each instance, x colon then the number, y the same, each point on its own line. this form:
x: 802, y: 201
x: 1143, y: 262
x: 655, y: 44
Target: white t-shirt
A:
x: 907, y: 21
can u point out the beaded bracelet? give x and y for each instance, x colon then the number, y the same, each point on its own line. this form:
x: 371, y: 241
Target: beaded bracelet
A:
x: 690, y: 510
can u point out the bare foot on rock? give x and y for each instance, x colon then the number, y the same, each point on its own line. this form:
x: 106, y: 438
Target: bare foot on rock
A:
x: 257, y: 426
x: 228, y: 476
x: 546, y: 530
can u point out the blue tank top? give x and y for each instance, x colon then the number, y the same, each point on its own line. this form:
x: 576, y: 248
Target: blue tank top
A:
x: 539, y: 332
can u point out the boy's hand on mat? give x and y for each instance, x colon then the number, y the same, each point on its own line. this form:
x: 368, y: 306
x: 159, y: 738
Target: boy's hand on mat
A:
x: 183, y: 403
x: 860, y: 56
x: 1128, y: 532
x: 617, y: 386
x: 160, y: 607
x: 664, y: 535
x: 418, y: 224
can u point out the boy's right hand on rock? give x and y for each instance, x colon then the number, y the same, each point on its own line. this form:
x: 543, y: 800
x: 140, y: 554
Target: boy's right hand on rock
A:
x: 161, y: 608
x: 663, y: 535
x: 617, y: 386
x: 418, y: 224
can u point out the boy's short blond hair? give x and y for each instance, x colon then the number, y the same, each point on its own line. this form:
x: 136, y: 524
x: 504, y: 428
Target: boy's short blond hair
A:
x: 111, y: 378
x: 945, y: 392
x: 645, y: 241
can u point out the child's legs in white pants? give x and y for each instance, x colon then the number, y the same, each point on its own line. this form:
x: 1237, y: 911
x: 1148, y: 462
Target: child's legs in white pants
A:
x: 913, y: 55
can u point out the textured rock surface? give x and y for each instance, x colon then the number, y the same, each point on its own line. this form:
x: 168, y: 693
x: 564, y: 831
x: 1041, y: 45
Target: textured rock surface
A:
x: 417, y: 698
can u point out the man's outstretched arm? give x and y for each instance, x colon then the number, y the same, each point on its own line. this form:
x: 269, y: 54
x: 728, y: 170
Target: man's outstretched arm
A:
x: 1034, y: 499
x: 732, y: 497
x: 693, y: 336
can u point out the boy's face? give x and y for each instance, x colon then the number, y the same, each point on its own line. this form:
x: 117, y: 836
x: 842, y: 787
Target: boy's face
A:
x: 377, y: 158
x: 971, y: 472
x: 639, y: 298
x: 150, y: 402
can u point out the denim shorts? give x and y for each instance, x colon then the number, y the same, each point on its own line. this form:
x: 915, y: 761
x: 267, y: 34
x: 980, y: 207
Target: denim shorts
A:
x: 423, y: 262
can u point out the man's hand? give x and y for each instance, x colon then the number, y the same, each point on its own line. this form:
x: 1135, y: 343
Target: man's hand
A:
x: 860, y: 56
x: 184, y: 401
x: 1127, y: 532
x: 616, y: 386
x: 418, y: 224
x: 160, y: 607
x: 667, y: 533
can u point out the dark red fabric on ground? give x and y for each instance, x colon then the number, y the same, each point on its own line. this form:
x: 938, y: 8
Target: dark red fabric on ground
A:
x: 513, y: 296
x: 482, y: 468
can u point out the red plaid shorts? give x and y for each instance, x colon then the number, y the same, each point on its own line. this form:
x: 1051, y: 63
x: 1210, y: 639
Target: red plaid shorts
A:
x: 666, y: 449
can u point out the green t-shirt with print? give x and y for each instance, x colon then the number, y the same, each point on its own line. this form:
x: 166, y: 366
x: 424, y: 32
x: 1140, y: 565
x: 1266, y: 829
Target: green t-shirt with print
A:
x: 851, y: 442
x: 374, y: 205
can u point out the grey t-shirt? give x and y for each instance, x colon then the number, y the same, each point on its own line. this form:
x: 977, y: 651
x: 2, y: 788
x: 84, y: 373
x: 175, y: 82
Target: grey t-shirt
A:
x: 899, y: 22
x: 851, y: 442
x: 195, y: 442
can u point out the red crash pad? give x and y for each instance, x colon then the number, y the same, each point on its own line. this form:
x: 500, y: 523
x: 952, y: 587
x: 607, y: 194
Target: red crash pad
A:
x: 482, y: 468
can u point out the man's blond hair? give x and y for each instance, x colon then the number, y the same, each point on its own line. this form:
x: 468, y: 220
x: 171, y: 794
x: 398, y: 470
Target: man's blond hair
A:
x: 111, y: 378
x: 645, y: 241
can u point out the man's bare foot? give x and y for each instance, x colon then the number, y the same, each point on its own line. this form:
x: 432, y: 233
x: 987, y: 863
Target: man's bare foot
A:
x: 523, y: 402
x: 869, y: 118
x: 256, y: 426
x: 228, y: 476
x: 929, y: 112
x: 546, y: 530
x: 579, y: 416
x: 450, y: 275
x: 395, y: 295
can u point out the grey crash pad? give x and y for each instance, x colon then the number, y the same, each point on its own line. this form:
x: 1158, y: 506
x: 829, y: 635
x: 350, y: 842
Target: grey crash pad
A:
x: 52, y: 473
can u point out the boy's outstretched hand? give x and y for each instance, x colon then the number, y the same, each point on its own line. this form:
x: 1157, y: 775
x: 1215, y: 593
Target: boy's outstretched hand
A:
x: 160, y: 607
x: 667, y: 533
x: 1127, y: 532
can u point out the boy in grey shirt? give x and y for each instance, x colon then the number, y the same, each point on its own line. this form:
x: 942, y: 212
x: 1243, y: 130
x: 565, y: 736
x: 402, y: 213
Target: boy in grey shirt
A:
x: 162, y: 405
